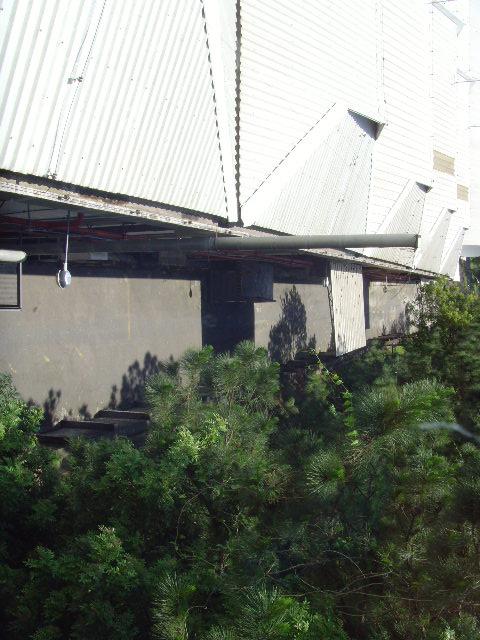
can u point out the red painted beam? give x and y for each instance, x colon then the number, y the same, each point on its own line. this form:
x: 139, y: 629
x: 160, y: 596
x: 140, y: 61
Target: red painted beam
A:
x: 75, y: 228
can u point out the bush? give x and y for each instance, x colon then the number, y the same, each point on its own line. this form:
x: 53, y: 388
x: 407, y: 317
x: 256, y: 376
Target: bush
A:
x: 249, y: 514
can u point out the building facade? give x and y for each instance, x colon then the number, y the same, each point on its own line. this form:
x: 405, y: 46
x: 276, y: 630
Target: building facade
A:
x: 133, y: 126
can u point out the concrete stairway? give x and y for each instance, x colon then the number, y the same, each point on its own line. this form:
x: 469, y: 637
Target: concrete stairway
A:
x: 108, y: 423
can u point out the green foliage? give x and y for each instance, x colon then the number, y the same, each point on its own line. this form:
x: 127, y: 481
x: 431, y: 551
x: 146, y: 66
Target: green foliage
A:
x: 171, y: 607
x: 445, y: 345
x: 268, y: 615
x: 87, y: 590
x: 393, y: 407
x: 28, y: 475
x: 323, y: 509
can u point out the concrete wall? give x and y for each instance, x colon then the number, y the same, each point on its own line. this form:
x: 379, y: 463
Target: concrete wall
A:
x: 299, y: 318
x: 386, y: 307
x: 91, y: 345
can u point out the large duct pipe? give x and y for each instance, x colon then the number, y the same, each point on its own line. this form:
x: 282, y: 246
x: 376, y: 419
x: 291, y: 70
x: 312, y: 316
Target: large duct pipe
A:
x: 8, y: 255
x: 266, y: 244
x: 275, y: 243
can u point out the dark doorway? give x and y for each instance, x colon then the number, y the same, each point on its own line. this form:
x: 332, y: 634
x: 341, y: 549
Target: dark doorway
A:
x: 225, y: 323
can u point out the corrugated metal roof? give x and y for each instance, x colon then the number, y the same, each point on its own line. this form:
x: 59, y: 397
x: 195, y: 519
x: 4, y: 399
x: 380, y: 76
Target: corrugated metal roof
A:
x: 346, y: 281
x: 142, y: 99
x: 328, y: 191
x: 221, y: 24
x: 403, y: 149
x: 444, y: 71
x: 431, y: 251
x: 113, y: 95
x: 296, y: 60
x: 404, y: 217
x: 450, y: 261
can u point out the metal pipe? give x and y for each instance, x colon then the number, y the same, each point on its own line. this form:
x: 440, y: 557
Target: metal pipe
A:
x: 264, y: 244
x: 275, y: 243
x: 8, y: 255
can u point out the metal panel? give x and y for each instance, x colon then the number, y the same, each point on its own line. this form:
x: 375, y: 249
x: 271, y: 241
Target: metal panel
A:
x: 462, y: 192
x: 431, y: 252
x: 403, y: 149
x: 405, y: 217
x: 296, y: 60
x: 443, y: 195
x: 443, y: 163
x: 346, y: 282
x: 444, y: 92
x: 328, y: 192
x: 450, y: 159
x: 10, y: 285
x: 450, y: 262
x: 221, y: 24
x: 113, y: 95
x: 462, y: 159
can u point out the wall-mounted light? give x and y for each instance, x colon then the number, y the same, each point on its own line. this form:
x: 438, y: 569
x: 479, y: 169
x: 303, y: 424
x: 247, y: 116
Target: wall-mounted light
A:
x: 64, y: 277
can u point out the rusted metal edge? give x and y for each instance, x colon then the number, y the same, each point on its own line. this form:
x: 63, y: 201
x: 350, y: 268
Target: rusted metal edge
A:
x: 48, y: 190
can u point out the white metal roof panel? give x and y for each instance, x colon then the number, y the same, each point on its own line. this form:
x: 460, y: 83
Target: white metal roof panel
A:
x: 403, y: 149
x: 296, y: 60
x: 430, y: 252
x: 404, y: 217
x: 327, y: 191
x: 452, y: 255
x: 113, y: 95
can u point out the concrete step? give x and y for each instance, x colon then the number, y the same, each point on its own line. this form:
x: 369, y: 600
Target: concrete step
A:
x: 134, y: 414
x: 96, y: 425
x: 108, y: 423
x: 61, y: 437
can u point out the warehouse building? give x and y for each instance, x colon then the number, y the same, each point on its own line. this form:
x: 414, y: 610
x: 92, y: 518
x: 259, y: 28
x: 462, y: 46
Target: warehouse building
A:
x: 136, y: 135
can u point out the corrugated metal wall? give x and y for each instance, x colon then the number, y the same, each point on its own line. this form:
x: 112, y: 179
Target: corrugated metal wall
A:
x: 432, y: 246
x: 146, y: 99
x: 444, y: 119
x: 404, y: 217
x: 221, y: 25
x: 450, y: 262
x: 403, y: 150
x: 114, y: 95
x: 346, y: 281
x: 297, y: 58
x: 327, y: 192
x: 473, y: 235
x: 450, y: 152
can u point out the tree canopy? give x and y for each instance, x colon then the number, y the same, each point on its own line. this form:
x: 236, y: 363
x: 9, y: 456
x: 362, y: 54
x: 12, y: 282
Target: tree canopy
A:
x: 333, y: 504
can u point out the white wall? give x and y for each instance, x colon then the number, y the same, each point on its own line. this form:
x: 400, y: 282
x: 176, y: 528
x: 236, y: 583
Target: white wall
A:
x: 473, y: 235
x: 403, y: 149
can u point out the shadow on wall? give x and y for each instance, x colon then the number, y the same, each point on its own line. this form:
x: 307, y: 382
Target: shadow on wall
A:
x: 50, y: 408
x: 400, y: 326
x: 129, y: 394
x: 289, y: 335
x: 131, y: 391
x: 53, y: 410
